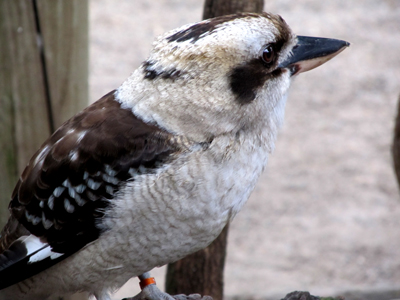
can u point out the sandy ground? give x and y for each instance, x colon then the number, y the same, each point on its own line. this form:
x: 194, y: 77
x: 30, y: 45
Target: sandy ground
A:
x: 325, y: 216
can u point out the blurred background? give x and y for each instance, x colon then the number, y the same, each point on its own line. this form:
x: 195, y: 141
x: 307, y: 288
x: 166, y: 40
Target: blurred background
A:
x: 325, y: 216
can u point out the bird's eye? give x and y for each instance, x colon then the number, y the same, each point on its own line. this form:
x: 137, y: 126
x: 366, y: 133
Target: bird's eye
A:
x: 268, y: 54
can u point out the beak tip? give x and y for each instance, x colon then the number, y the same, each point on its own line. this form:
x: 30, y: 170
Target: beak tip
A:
x: 346, y: 44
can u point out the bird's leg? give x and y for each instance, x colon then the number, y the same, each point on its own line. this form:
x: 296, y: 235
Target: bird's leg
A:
x: 151, y: 292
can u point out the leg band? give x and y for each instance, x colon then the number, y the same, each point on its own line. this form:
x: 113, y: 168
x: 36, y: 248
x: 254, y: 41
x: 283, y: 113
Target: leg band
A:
x: 146, y: 281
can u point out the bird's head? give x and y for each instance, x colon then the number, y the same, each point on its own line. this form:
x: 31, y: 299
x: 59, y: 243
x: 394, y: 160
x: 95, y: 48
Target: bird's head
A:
x: 223, y: 75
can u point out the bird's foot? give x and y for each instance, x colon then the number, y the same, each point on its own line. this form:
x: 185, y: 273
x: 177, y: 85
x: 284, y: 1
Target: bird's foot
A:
x: 151, y: 292
x: 192, y: 297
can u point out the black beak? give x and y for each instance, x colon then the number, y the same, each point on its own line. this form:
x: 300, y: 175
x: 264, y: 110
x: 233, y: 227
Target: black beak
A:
x: 311, y: 52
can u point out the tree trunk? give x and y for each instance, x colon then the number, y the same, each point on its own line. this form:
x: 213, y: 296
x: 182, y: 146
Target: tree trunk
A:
x: 215, y: 8
x: 203, y: 271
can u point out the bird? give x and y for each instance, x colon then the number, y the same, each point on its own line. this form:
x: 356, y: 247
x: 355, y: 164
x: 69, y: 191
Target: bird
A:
x: 155, y: 169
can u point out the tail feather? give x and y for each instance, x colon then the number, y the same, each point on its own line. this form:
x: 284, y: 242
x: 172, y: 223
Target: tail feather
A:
x: 24, y: 258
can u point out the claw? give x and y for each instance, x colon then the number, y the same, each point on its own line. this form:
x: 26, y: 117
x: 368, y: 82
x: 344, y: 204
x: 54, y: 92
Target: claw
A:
x: 191, y: 297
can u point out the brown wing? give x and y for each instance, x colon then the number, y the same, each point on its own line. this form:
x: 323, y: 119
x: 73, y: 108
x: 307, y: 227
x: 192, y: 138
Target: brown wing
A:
x: 69, y: 182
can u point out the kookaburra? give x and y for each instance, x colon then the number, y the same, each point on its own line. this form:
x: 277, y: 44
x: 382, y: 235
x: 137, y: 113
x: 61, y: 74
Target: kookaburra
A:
x: 155, y: 169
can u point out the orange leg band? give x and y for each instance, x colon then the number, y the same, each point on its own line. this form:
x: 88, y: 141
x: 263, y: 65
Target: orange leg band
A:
x: 147, y: 281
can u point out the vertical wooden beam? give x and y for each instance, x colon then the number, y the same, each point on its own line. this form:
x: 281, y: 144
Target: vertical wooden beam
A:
x: 23, y: 121
x: 43, y: 79
x: 203, y: 272
x: 24, y: 117
x: 64, y: 28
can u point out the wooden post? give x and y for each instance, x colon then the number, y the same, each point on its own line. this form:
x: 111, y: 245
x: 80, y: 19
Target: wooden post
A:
x: 215, y: 8
x: 23, y: 115
x: 43, y: 79
x: 65, y: 29
x: 203, y: 271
